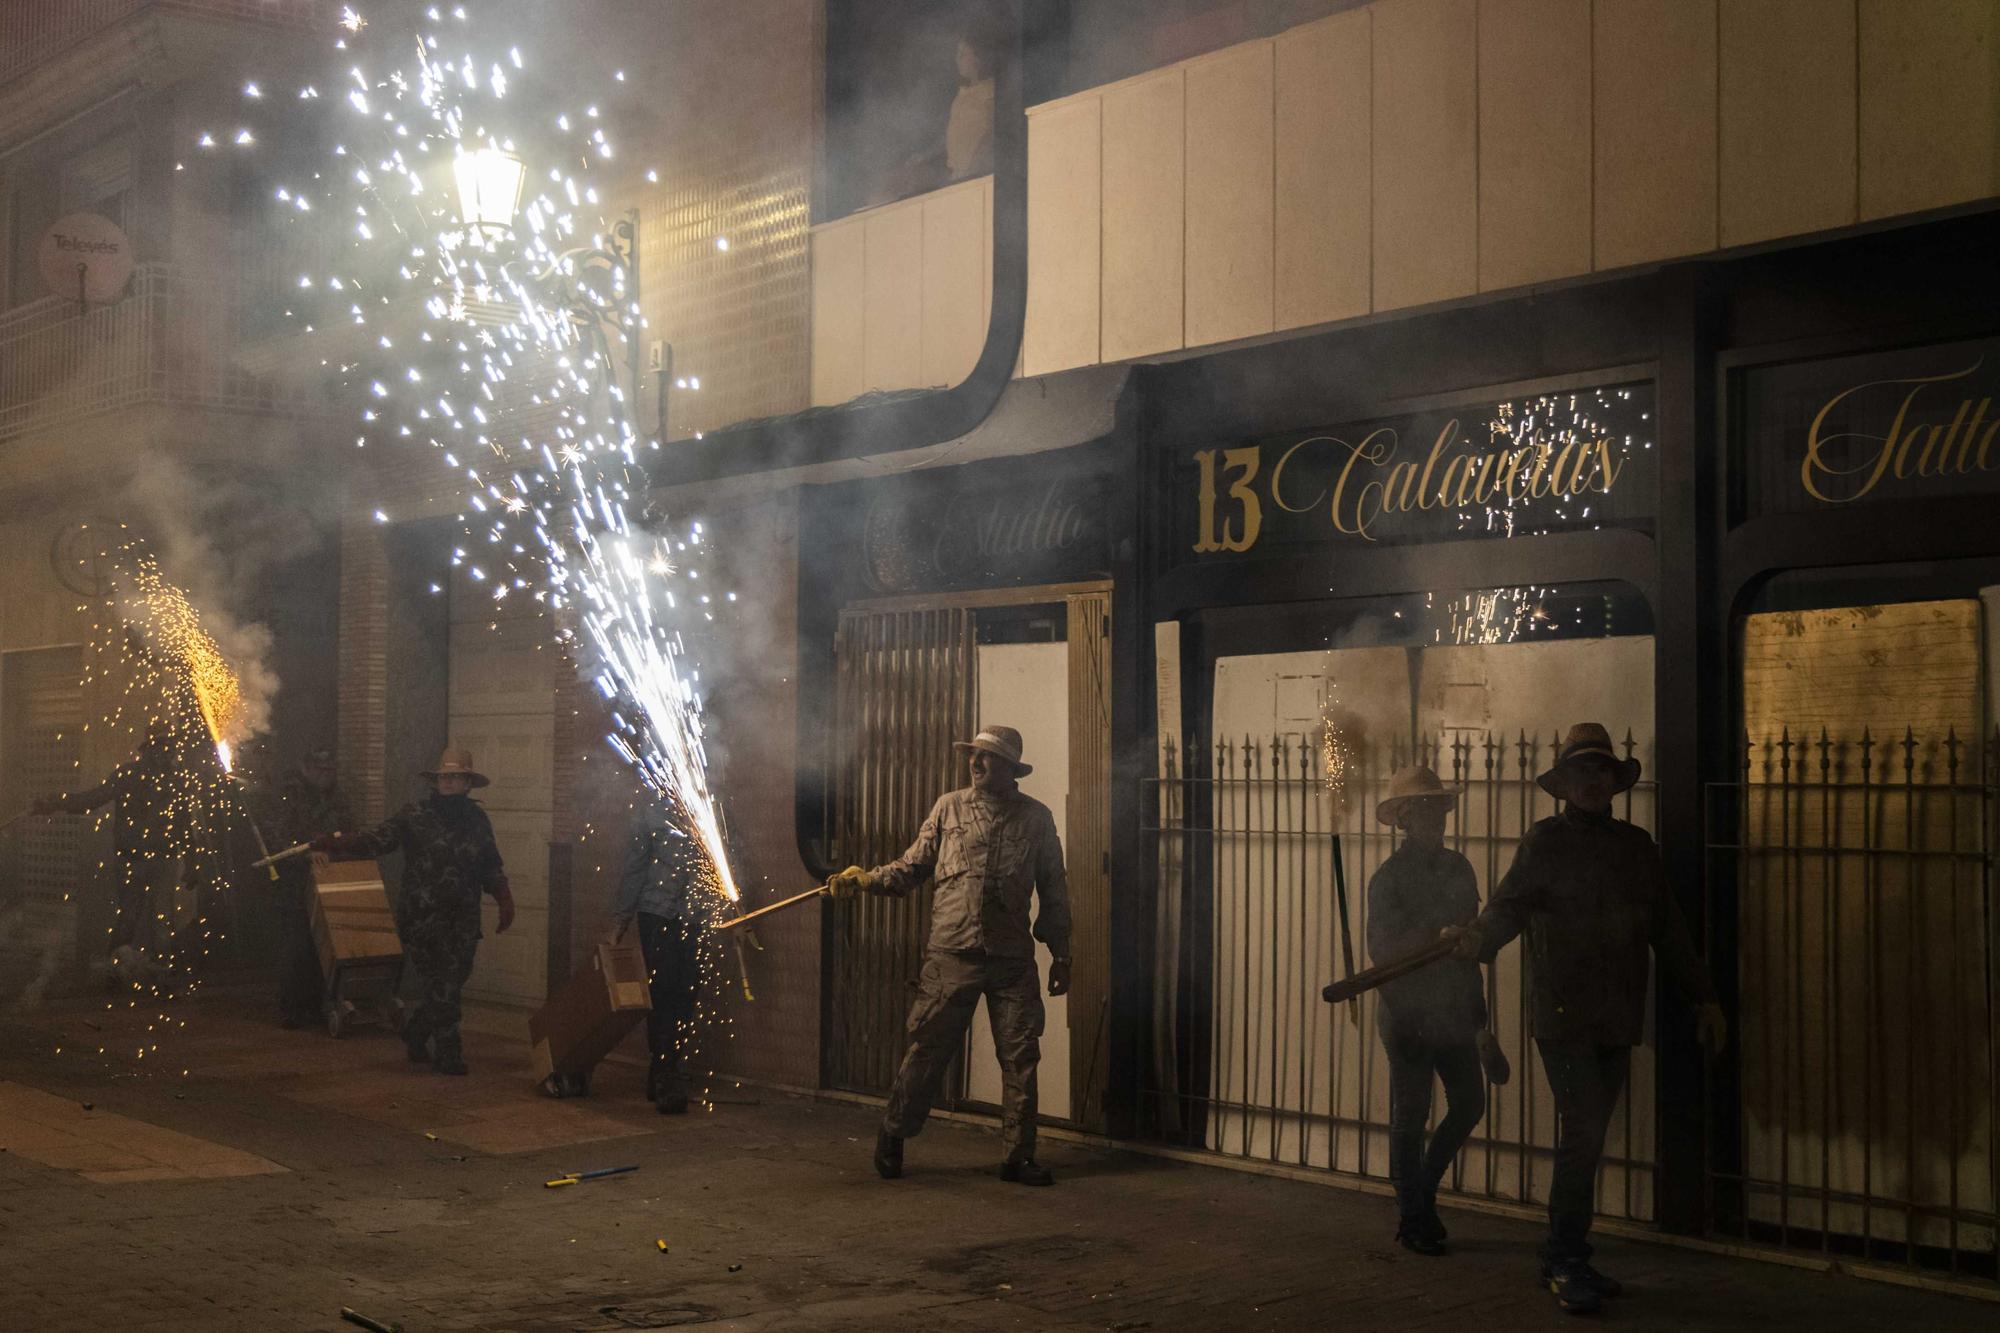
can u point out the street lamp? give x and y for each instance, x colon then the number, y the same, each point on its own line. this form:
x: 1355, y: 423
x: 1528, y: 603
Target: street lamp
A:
x: 489, y: 189
x: 489, y: 194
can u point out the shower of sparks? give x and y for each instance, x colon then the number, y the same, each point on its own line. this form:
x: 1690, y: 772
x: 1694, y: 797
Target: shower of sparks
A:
x: 1339, y: 752
x: 1489, y: 616
x: 492, y: 352
x: 171, y: 706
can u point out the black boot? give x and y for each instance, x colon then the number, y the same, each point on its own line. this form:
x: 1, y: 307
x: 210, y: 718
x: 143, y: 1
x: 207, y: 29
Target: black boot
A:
x: 888, y: 1155
x: 1027, y: 1171
x: 1413, y: 1233
x: 450, y: 1058
x: 670, y: 1092
x: 417, y: 1045
x: 1573, y: 1292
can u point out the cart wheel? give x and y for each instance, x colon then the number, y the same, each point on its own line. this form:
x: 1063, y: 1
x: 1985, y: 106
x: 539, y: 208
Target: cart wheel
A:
x: 553, y: 1086
x: 575, y: 1085
x: 336, y: 1018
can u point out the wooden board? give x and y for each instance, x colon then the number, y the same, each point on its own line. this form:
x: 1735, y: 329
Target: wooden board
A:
x: 351, y: 917
x: 591, y: 1013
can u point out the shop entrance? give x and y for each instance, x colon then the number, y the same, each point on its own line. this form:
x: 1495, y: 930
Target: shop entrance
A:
x: 1852, y: 878
x: 914, y: 675
x: 1294, y: 752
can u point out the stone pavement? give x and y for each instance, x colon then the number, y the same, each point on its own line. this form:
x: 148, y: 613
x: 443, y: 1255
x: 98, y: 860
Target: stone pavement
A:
x: 420, y: 1200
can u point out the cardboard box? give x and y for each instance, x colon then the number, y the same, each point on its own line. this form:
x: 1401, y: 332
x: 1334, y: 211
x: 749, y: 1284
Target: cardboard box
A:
x: 352, y: 922
x: 591, y: 1013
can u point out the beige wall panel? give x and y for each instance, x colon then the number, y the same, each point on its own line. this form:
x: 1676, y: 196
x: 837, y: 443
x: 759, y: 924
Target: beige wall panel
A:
x: 1143, y: 226
x: 1534, y: 141
x: 1653, y: 80
x: 1323, y: 208
x: 1787, y: 129
x: 954, y: 284
x: 1930, y: 103
x: 837, y: 272
x: 1229, y: 195
x: 1426, y: 192
x: 892, y: 300
x: 1064, y: 217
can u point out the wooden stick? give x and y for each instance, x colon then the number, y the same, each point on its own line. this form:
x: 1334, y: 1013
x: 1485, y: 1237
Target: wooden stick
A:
x: 297, y: 849
x: 15, y: 819
x: 774, y: 907
x: 1350, y: 988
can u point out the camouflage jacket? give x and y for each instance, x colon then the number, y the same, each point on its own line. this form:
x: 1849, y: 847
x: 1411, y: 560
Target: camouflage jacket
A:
x: 1592, y: 894
x: 1413, y: 895
x: 987, y: 857
x: 449, y: 859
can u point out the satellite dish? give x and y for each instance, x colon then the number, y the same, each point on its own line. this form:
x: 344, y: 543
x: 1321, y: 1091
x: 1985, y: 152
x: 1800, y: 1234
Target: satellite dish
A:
x: 87, y: 257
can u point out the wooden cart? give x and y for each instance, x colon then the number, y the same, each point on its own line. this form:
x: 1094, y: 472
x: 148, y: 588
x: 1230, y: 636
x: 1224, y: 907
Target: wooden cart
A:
x: 359, y: 952
x: 587, y: 1016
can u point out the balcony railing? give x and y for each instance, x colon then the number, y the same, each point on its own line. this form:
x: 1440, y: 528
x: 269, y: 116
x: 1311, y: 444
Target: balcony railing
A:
x: 32, y: 31
x: 170, y: 342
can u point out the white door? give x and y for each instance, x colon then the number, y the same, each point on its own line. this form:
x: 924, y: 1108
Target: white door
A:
x: 1026, y: 686
x: 503, y: 710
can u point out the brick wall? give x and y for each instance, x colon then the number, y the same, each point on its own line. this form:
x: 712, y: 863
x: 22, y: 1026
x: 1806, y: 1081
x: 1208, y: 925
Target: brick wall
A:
x: 363, y: 665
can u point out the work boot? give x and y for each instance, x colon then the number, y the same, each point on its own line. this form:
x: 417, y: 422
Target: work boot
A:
x: 1607, y: 1287
x: 1415, y: 1235
x: 1433, y: 1224
x: 1027, y: 1171
x: 888, y: 1155
x: 1573, y: 1291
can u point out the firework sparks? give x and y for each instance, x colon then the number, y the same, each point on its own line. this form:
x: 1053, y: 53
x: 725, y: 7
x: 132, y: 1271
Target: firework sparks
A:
x: 504, y: 330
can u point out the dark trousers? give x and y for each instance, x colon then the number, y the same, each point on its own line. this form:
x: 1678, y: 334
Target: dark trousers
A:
x: 948, y: 993
x: 301, y: 988
x: 1414, y: 1063
x: 441, y: 956
x: 1586, y: 1081
x: 673, y: 965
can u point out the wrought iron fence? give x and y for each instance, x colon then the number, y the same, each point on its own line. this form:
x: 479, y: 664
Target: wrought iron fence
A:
x: 1853, y: 880
x: 170, y: 341
x: 1248, y: 1060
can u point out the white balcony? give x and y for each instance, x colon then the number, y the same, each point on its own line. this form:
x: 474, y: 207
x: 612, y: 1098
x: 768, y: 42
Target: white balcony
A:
x: 169, y: 342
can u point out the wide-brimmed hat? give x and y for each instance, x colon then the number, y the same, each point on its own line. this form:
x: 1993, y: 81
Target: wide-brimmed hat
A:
x: 1585, y: 740
x: 1002, y: 741
x: 1415, y: 783
x: 456, y: 763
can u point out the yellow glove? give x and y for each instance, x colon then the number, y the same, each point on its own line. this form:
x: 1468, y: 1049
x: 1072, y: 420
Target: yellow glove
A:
x: 848, y: 883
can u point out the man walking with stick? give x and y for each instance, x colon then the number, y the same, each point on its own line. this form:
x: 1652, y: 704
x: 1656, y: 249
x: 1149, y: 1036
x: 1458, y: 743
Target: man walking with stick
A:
x: 1591, y: 893
x: 662, y: 892
x: 1430, y: 1019
x: 989, y: 847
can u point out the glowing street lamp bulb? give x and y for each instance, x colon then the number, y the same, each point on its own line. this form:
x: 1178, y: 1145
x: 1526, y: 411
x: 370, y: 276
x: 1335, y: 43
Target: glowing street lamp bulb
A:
x: 489, y: 188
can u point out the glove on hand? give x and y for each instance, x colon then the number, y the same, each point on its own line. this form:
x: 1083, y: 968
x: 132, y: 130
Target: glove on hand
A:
x: 849, y: 882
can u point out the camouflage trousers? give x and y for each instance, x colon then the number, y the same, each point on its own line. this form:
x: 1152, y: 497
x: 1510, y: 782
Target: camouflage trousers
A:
x: 947, y: 995
x: 441, y: 955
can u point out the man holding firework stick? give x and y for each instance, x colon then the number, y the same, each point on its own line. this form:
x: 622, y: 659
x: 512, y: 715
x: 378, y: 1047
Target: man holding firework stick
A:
x: 1430, y: 1019
x: 1591, y: 893
x: 449, y: 859
x: 989, y: 848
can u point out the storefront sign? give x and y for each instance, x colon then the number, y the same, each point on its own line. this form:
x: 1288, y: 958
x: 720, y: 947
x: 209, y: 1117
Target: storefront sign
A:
x: 926, y: 537
x: 1856, y: 430
x: 1563, y: 461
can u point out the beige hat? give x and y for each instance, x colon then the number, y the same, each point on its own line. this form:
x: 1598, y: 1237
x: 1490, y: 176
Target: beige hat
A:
x: 454, y: 763
x: 1415, y: 783
x: 1586, y: 739
x: 1003, y: 741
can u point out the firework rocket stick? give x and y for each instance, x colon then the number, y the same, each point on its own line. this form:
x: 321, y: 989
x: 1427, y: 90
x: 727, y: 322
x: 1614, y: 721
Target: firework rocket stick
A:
x: 792, y: 901
x: 12, y: 820
x: 296, y: 849
x: 1346, y: 928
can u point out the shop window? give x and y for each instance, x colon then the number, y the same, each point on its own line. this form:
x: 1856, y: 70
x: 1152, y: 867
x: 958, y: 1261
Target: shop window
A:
x: 1310, y: 710
x: 1852, y: 881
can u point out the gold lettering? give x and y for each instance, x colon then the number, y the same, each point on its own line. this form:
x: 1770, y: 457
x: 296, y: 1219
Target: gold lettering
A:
x: 1375, y: 448
x: 1245, y: 537
x: 1886, y: 450
x: 1278, y: 476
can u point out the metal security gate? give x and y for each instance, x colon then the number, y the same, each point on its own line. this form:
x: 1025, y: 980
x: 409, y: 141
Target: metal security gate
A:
x: 1256, y: 1065
x: 1852, y: 878
x: 908, y: 688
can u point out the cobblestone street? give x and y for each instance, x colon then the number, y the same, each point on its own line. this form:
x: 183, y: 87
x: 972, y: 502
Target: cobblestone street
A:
x: 287, y: 1175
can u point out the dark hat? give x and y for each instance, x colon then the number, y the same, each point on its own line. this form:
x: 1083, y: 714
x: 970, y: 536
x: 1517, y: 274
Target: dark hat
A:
x: 1415, y: 783
x: 1002, y: 741
x: 1585, y: 740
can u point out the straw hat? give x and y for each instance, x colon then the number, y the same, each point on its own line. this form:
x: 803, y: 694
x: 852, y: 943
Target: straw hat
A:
x: 456, y: 763
x: 1585, y: 740
x: 1415, y: 783
x: 1002, y: 741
